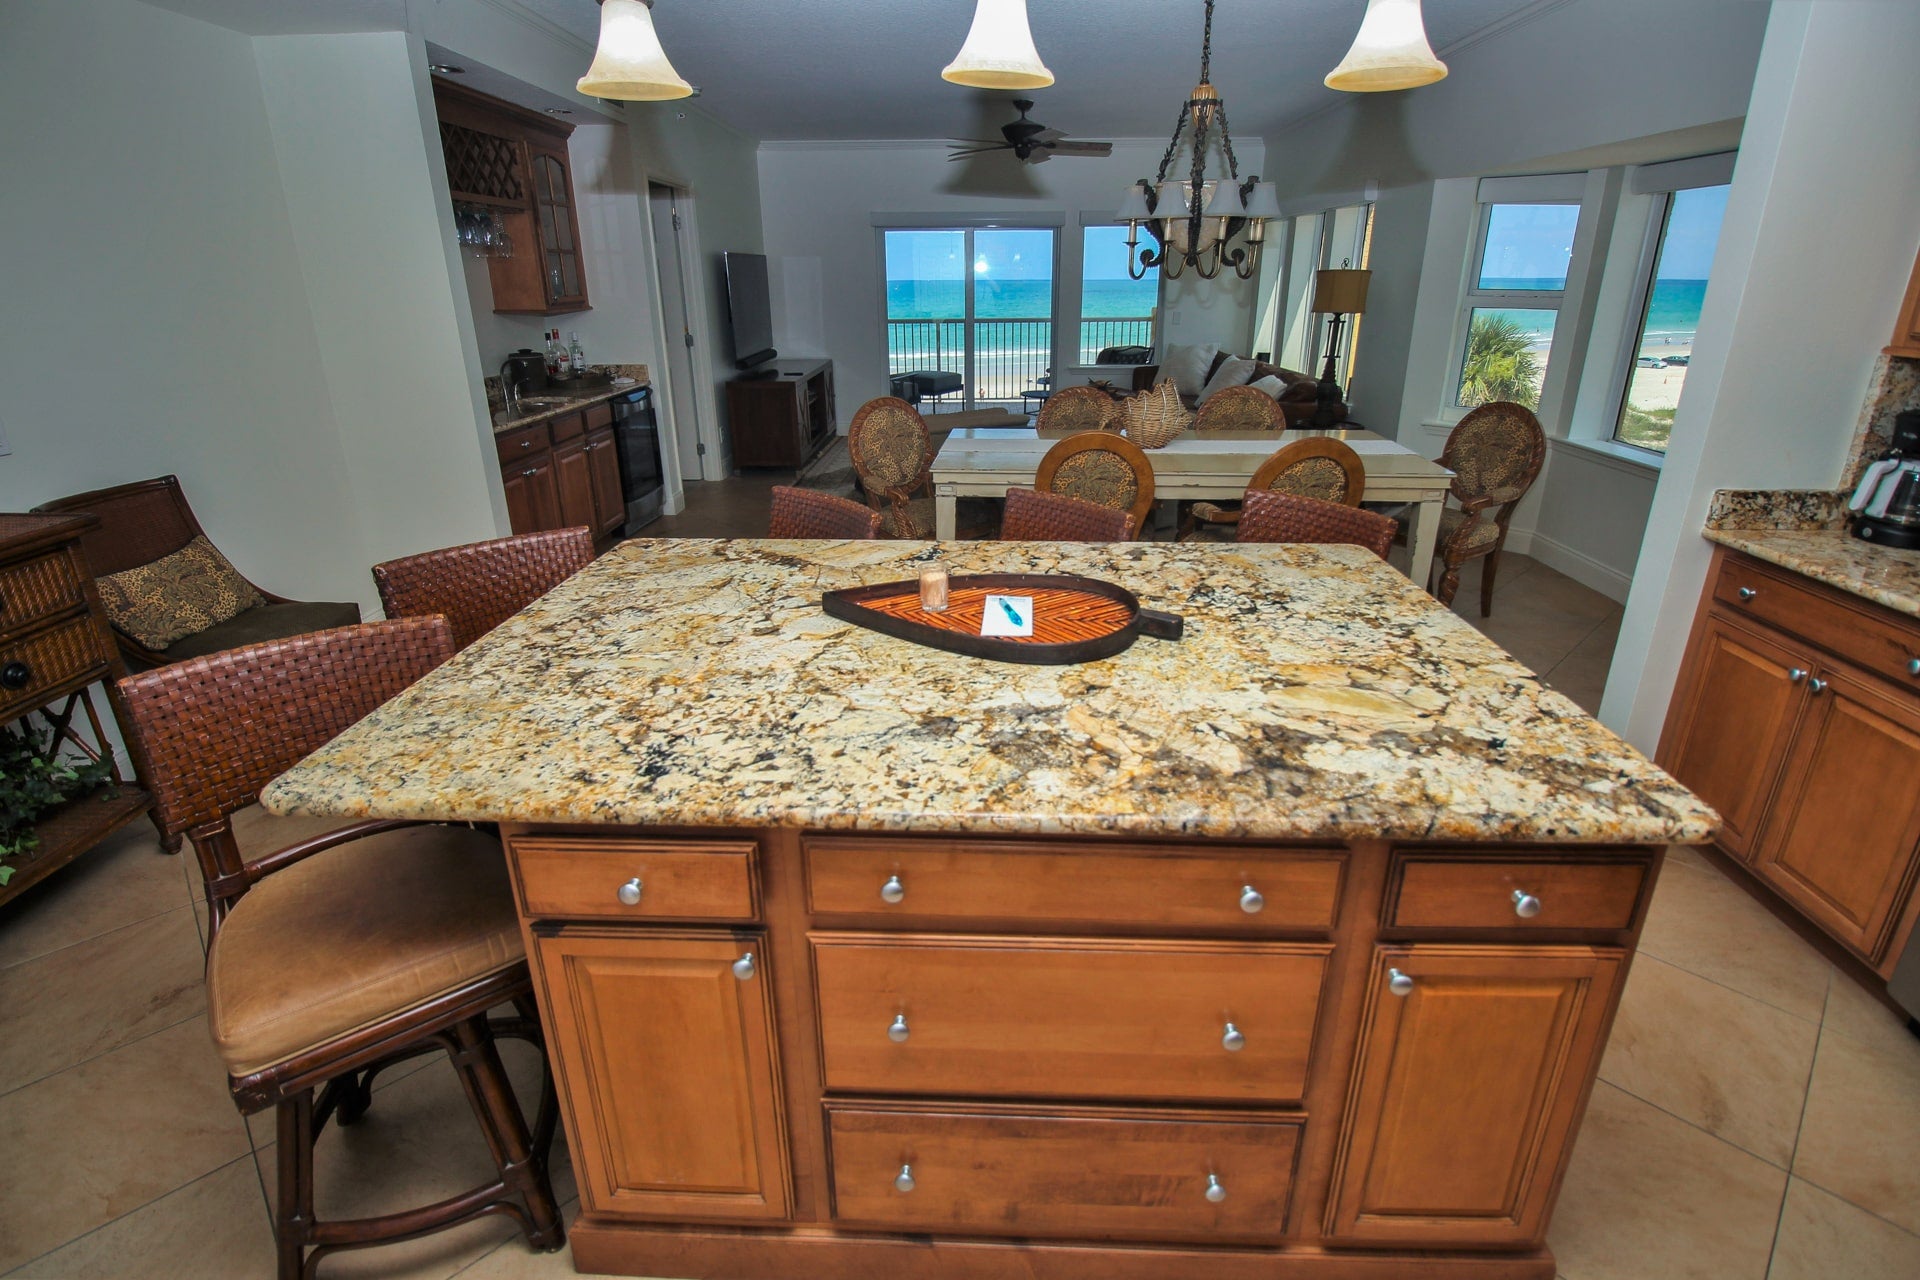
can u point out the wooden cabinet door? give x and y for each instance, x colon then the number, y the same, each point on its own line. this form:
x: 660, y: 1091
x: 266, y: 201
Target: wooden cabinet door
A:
x: 603, y: 476
x: 666, y: 1067
x: 574, y: 481
x: 1466, y: 1091
x: 1841, y: 839
x: 557, y: 227
x: 533, y: 504
x: 1734, y: 714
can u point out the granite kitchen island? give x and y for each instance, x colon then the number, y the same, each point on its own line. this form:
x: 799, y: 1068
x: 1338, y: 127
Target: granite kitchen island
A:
x: 1285, y: 949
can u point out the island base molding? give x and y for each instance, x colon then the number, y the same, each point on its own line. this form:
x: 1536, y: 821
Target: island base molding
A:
x: 695, y: 1253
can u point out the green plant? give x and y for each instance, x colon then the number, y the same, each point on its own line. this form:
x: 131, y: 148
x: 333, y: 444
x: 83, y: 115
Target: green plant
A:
x: 1500, y: 364
x: 1648, y: 428
x: 33, y: 779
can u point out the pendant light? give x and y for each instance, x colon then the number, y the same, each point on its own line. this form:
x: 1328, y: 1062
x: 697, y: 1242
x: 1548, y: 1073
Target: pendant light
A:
x: 629, y: 63
x: 1390, y: 51
x: 999, y: 52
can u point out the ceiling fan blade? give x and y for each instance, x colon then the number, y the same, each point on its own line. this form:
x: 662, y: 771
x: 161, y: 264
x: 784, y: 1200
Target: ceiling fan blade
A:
x: 1039, y: 155
x: 1083, y: 148
x: 1047, y: 137
x: 969, y: 154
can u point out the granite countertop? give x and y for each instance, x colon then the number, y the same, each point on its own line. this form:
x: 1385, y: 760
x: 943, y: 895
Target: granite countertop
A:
x: 1834, y: 556
x: 566, y: 397
x: 1317, y: 693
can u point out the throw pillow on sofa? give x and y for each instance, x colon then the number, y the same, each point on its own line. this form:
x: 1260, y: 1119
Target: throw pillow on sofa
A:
x: 1234, y: 371
x: 1189, y: 366
x: 177, y: 595
x: 1271, y: 384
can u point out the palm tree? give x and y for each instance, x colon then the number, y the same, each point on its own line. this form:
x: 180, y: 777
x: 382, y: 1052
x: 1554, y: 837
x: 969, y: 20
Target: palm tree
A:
x: 1500, y: 363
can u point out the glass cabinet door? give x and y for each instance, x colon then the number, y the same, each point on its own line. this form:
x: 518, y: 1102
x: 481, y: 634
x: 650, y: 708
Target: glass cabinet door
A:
x: 559, y: 254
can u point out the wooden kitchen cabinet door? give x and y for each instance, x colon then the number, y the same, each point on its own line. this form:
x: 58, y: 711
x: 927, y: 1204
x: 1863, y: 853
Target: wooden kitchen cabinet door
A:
x: 1843, y: 834
x: 533, y: 503
x: 574, y: 480
x: 666, y: 1065
x: 1466, y: 1091
x: 603, y: 477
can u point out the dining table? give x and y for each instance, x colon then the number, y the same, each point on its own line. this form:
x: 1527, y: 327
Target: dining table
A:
x: 984, y: 462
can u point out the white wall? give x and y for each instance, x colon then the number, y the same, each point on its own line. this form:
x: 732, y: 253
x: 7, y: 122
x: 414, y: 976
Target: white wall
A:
x: 1818, y: 239
x: 821, y: 199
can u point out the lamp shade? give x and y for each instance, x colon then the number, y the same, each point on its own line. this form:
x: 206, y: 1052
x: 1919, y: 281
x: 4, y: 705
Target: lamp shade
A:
x: 1225, y: 201
x: 629, y: 63
x: 1133, y: 206
x: 1262, y: 202
x: 1340, y: 289
x: 999, y: 52
x: 1390, y: 51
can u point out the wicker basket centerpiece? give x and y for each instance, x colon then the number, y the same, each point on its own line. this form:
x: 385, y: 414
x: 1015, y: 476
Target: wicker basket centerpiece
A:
x: 1155, y: 416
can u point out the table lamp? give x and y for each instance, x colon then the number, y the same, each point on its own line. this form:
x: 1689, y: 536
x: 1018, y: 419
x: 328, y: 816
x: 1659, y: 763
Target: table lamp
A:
x: 1340, y: 291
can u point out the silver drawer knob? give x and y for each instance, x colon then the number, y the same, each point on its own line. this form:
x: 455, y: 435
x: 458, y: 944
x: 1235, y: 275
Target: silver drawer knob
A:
x: 630, y: 893
x: 898, y: 1031
x: 903, y: 1181
x: 1399, y: 983
x: 1817, y: 685
x: 1748, y: 593
x: 1796, y: 674
x: 1215, y: 1192
x: 892, y: 890
x: 743, y: 967
x: 1251, y: 900
x: 1233, y: 1041
x: 1525, y: 905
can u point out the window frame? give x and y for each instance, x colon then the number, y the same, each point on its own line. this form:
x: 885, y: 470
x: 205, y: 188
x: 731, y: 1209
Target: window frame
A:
x: 1157, y: 321
x: 1291, y: 271
x: 1473, y: 298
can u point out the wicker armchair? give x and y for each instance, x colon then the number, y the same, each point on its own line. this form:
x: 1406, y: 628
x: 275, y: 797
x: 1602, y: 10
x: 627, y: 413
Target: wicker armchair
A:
x: 478, y: 586
x: 893, y: 456
x: 1075, y: 409
x: 1268, y: 515
x: 1102, y: 468
x: 337, y: 953
x: 1320, y: 467
x: 1240, y: 409
x: 1055, y: 517
x: 1495, y: 454
x: 807, y: 513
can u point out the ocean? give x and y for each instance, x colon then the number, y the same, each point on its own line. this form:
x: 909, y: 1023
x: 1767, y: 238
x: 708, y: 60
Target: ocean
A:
x: 1014, y: 299
x: 1011, y: 356
x: 1673, y: 314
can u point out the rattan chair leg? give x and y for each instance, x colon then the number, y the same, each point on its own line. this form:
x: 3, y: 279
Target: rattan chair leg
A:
x: 1486, y: 578
x: 1449, y: 583
x: 293, y: 1199
x: 522, y: 1172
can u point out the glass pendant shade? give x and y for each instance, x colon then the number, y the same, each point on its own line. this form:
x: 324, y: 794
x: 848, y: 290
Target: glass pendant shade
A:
x: 999, y: 52
x: 1390, y: 51
x: 629, y: 63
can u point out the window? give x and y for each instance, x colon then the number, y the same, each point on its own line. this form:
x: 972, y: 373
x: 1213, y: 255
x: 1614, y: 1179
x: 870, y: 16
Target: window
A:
x: 1300, y: 246
x: 1518, y: 279
x: 1673, y: 283
x: 1115, y: 309
x: 974, y: 302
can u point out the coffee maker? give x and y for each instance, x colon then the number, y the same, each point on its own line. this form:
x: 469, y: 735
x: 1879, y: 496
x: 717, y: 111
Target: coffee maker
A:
x: 1886, y: 505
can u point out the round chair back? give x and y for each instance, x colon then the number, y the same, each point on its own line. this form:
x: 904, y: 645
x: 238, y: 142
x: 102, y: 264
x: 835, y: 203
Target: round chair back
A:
x: 890, y: 448
x: 1320, y: 467
x: 1497, y: 446
x: 1100, y: 467
x: 1078, y: 409
x: 1240, y: 409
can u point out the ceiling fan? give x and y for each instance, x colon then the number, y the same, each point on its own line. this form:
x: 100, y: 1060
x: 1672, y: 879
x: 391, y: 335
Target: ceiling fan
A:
x: 1029, y: 140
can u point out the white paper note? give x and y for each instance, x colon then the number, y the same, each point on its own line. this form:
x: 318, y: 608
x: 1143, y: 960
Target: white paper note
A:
x: 1007, y: 616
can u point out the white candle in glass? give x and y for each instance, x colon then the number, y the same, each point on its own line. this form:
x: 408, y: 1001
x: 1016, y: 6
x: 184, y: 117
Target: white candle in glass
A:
x: 933, y: 588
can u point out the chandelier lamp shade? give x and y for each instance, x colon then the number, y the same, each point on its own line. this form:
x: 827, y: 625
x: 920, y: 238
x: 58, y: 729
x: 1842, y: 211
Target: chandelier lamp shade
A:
x: 1195, y: 220
x: 629, y: 63
x: 999, y: 52
x: 1390, y: 51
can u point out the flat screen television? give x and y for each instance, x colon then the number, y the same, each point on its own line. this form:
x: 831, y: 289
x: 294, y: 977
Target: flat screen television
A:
x: 750, y: 307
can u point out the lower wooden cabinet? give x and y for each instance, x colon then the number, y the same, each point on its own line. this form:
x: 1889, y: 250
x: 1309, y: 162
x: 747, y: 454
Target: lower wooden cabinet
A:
x: 533, y: 500
x: 563, y: 473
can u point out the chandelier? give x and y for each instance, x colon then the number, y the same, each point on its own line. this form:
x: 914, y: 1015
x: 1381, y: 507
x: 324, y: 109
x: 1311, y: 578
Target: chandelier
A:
x: 1195, y: 221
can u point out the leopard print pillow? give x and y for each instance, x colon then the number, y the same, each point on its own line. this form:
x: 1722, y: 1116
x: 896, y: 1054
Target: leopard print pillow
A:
x: 177, y: 595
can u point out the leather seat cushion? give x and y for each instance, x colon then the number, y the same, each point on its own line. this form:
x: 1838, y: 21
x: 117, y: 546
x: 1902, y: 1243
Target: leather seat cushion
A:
x: 355, y: 934
x: 264, y: 622
x: 1483, y: 536
x: 259, y: 833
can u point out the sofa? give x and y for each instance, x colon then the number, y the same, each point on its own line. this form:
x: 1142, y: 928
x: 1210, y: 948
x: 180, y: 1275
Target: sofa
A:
x: 1298, y: 399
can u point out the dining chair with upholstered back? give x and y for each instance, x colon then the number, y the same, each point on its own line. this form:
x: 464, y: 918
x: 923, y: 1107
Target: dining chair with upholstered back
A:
x: 340, y: 947
x: 1100, y: 467
x: 893, y: 456
x: 1317, y: 467
x: 479, y: 585
x: 1075, y: 409
x: 1055, y: 517
x: 808, y: 513
x: 1495, y: 454
x: 1239, y: 409
x: 1270, y: 515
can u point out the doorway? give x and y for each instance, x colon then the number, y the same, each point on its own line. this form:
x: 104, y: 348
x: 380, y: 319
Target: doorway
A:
x: 977, y: 302
x: 676, y: 330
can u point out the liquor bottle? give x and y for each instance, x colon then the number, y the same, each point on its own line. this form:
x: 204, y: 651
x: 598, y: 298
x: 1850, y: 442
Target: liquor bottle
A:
x: 553, y: 352
x: 576, y: 353
x: 563, y: 362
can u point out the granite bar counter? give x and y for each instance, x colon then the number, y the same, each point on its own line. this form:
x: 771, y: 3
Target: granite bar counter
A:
x: 1805, y: 531
x: 1288, y: 949
x: 602, y: 384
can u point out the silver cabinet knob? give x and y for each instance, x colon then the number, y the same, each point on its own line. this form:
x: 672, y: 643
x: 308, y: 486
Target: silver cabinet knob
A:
x: 1796, y: 674
x: 1233, y: 1041
x: 1748, y: 593
x: 898, y: 1031
x: 892, y: 890
x: 1399, y: 983
x: 1525, y: 905
x: 743, y: 967
x: 629, y: 893
x: 1913, y: 666
x: 1817, y: 685
x: 1251, y: 900
x: 903, y: 1181
x: 531, y: 471
x: 1215, y: 1192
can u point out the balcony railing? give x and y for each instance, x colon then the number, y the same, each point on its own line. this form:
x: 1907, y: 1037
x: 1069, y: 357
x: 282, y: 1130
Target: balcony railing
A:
x: 1010, y: 355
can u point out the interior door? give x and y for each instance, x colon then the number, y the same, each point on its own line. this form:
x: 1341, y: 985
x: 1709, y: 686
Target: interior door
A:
x: 676, y: 332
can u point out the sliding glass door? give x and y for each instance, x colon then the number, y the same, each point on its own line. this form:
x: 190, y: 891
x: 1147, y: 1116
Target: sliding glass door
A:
x: 974, y: 302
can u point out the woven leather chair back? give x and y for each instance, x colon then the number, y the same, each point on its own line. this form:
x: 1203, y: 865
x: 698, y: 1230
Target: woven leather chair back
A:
x: 1076, y: 409
x: 1267, y: 515
x: 478, y: 586
x: 1055, y: 517
x: 1102, y: 468
x: 1497, y: 446
x: 807, y: 513
x: 890, y: 447
x: 1240, y: 409
x: 1321, y: 467
x: 139, y: 523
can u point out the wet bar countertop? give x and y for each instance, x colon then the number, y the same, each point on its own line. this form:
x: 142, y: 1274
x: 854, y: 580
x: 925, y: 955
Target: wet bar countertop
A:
x: 1834, y: 556
x: 566, y: 397
x: 1316, y: 694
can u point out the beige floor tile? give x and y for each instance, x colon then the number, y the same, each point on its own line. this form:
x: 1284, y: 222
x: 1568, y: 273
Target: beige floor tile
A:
x: 1650, y: 1197
x: 514, y: 1261
x: 1824, y: 1238
x: 1702, y: 922
x: 1582, y: 674
x: 1691, y: 856
x: 125, y: 879
x: 104, y: 1138
x: 1715, y: 1058
x: 1862, y: 1128
x: 213, y: 1229
x: 98, y: 994
x: 1854, y: 1012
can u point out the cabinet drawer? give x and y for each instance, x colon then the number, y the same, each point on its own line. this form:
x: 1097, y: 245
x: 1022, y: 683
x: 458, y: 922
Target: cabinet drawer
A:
x: 599, y: 415
x: 1061, y: 1018
x: 666, y: 879
x: 1879, y: 641
x: 521, y: 443
x: 38, y: 588
x: 1061, y: 1173
x: 568, y: 426
x: 956, y: 882
x: 1447, y: 891
x: 39, y: 666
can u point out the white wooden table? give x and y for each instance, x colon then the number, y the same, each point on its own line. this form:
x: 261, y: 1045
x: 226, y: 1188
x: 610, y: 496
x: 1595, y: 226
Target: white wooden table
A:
x: 984, y: 462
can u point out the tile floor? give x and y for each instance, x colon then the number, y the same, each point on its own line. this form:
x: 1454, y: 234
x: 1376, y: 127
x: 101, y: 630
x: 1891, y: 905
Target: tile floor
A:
x: 1756, y: 1118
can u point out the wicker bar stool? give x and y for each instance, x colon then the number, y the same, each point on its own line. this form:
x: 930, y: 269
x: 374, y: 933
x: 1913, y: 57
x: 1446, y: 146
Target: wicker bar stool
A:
x: 893, y: 456
x: 478, y: 586
x: 806, y: 513
x: 1055, y: 517
x: 1102, y: 468
x: 336, y: 953
x: 1073, y: 409
x: 1240, y: 409
x: 1268, y: 515
x: 1320, y: 467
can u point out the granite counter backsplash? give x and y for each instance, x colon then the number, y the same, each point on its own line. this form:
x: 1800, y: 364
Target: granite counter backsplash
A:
x: 568, y: 396
x: 1783, y: 509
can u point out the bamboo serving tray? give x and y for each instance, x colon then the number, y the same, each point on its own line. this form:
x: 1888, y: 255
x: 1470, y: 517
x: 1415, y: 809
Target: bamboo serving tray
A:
x: 1074, y: 619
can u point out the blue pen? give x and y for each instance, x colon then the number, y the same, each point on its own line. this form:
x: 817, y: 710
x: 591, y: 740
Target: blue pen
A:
x: 1012, y: 612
